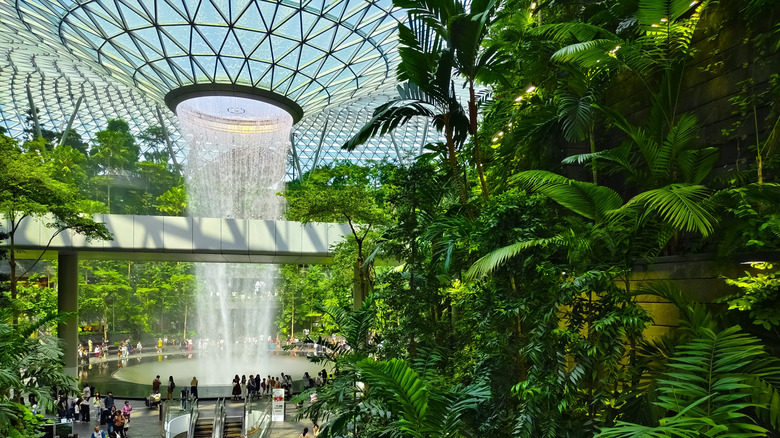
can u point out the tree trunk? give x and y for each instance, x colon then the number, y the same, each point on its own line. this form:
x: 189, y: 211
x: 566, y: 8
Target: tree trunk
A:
x: 453, y: 160
x: 592, y: 134
x: 475, y: 138
x: 184, y: 334
x: 12, y: 262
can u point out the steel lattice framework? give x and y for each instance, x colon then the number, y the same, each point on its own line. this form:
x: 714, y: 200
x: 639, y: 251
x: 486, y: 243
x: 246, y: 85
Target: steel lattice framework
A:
x: 335, y: 58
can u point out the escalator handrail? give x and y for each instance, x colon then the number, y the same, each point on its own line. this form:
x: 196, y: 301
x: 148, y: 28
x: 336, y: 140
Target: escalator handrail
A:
x: 219, y: 419
x: 194, y: 413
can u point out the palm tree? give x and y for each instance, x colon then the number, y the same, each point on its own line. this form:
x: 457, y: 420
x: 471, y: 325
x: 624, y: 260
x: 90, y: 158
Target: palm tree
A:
x: 710, y: 387
x: 429, y: 92
x: 341, y: 402
x: 442, y: 36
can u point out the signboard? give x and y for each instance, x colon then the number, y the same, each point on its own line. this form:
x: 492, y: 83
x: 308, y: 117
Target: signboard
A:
x: 277, y: 408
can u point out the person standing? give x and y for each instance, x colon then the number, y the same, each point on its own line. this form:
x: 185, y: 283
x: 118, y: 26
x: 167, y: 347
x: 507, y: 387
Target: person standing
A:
x: 97, y: 433
x: 171, y: 387
x: 98, y: 403
x: 271, y: 385
x: 250, y: 385
x: 119, y: 423
x: 85, y: 407
x: 236, y: 388
x: 194, y: 387
x: 109, y: 409
x: 126, y: 409
x: 111, y: 414
x: 76, y: 409
x: 244, y: 389
x: 156, y: 383
x: 304, y: 434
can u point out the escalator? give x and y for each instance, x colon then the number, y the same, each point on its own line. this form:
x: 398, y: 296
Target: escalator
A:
x: 225, y: 422
x: 232, y: 427
x: 204, y: 428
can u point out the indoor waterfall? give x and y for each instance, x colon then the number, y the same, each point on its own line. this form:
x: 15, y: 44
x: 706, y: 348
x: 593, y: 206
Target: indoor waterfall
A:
x: 237, y: 161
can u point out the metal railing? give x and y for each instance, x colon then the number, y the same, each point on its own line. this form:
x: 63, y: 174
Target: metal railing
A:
x: 219, y: 419
x: 195, y: 413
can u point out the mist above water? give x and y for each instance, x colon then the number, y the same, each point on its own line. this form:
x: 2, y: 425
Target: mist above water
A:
x: 236, y: 166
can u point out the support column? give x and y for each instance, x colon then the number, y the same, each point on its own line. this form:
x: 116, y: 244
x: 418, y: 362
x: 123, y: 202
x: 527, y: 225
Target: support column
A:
x: 67, y: 302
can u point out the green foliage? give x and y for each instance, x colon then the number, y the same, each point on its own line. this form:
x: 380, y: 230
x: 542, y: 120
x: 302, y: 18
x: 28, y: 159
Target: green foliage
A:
x: 305, y: 286
x: 758, y: 295
x: 173, y: 202
x: 577, y: 353
x: 707, y: 390
x: 139, y: 298
x: 341, y: 402
x: 344, y: 192
x: 30, y: 363
x: 29, y: 188
x: 681, y: 206
x: 416, y: 409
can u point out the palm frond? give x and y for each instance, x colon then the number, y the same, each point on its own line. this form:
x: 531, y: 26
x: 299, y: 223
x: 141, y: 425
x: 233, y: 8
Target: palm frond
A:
x: 566, y: 32
x: 696, y: 165
x: 407, y: 395
x: 658, y: 12
x: 586, y: 199
x: 495, y: 259
x: 387, y: 117
x: 680, y: 205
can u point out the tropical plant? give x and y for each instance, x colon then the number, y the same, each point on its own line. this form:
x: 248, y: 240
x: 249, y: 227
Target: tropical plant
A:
x: 29, y: 189
x: 442, y: 36
x: 708, y: 390
x: 30, y: 363
x: 758, y: 295
x: 343, y: 193
x: 340, y: 402
x: 416, y: 409
x: 174, y: 201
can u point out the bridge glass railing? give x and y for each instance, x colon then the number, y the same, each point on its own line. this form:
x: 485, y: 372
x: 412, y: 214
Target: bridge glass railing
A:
x: 257, y: 417
x: 178, y: 416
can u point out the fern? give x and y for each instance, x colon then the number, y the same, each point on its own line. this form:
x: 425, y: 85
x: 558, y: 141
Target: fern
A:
x: 707, y: 390
x: 418, y: 411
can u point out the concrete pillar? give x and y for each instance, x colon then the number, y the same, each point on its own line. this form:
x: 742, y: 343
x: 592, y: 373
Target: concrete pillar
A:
x: 67, y: 301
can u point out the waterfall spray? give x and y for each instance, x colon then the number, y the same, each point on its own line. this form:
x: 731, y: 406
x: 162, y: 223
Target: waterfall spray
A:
x: 236, y: 166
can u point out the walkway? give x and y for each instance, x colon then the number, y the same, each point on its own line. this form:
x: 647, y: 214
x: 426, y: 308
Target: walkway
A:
x: 189, y: 239
x: 145, y: 422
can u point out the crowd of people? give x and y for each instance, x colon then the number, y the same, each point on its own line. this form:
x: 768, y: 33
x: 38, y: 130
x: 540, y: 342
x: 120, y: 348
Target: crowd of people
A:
x: 79, y: 408
x: 257, y: 386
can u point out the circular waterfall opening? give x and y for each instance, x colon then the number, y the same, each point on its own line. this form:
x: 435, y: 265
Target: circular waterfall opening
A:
x: 236, y: 168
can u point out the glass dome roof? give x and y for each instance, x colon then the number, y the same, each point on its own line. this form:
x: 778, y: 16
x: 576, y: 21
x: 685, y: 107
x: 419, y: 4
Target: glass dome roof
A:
x: 335, y: 58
